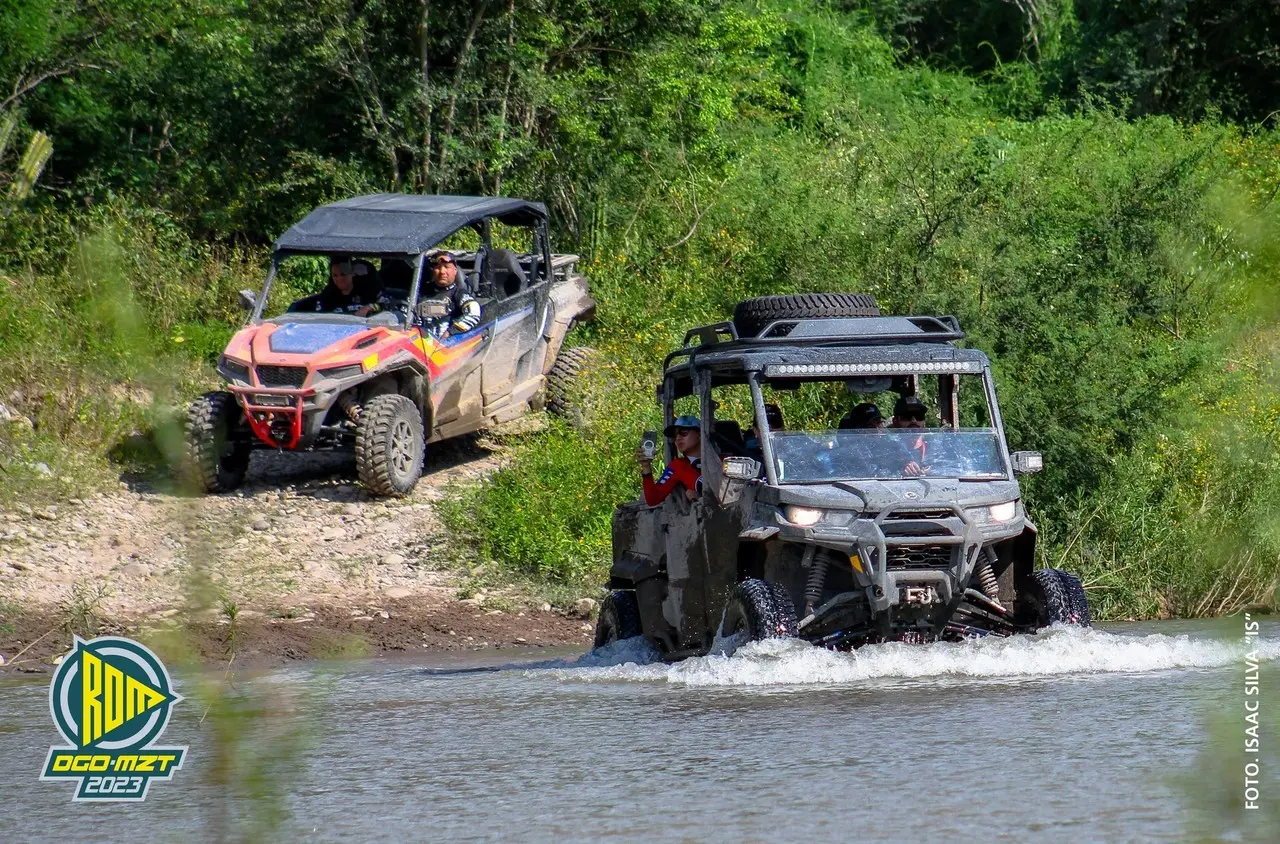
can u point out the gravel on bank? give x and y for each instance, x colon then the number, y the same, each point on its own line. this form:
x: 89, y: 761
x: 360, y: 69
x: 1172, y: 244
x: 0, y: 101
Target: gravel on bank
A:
x: 299, y: 563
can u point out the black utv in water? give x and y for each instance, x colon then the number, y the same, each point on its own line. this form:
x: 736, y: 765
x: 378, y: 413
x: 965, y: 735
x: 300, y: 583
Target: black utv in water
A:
x: 835, y: 524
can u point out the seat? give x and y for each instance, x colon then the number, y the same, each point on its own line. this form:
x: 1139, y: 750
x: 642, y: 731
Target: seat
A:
x: 505, y: 271
x: 727, y: 438
x: 397, y: 277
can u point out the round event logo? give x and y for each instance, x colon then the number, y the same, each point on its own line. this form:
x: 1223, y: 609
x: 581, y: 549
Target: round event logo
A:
x: 111, y: 699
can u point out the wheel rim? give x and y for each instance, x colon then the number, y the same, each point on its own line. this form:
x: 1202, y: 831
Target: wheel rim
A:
x: 403, y: 449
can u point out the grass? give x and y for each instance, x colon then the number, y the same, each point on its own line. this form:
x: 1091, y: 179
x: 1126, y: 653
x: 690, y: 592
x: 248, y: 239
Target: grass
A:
x: 96, y: 350
x: 8, y: 610
x: 82, y: 609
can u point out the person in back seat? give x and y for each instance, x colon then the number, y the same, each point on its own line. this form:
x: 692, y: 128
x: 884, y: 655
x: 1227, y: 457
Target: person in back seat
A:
x: 865, y: 415
x: 772, y: 416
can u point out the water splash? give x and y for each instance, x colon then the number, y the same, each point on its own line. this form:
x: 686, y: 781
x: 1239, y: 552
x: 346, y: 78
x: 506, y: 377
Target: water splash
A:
x: 1052, y: 652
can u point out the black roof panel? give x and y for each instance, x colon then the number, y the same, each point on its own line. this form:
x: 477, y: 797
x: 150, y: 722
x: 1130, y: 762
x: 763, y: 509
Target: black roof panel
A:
x: 399, y: 223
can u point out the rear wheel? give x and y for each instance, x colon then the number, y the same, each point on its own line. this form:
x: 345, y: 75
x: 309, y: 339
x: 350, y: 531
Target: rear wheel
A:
x: 619, y: 619
x: 1058, y: 598
x: 216, y: 446
x: 757, y: 610
x: 390, y: 445
x: 566, y: 383
x: 752, y: 315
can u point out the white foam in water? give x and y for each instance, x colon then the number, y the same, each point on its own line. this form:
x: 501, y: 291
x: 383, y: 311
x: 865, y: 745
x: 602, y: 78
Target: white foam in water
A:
x: 1057, y: 651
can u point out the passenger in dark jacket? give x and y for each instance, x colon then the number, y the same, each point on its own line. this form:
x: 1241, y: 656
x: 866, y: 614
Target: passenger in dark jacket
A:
x: 348, y: 291
x: 449, y: 284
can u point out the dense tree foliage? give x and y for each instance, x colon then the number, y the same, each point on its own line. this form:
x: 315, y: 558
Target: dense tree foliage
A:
x: 1185, y: 58
x: 1089, y: 186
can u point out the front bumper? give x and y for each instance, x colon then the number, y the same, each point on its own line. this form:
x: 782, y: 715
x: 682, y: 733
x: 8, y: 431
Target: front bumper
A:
x: 289, y: 417
x: 276, y: 414
x: 908, y: 562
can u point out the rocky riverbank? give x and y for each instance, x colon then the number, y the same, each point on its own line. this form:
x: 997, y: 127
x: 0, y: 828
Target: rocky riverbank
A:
x: 299, y: 563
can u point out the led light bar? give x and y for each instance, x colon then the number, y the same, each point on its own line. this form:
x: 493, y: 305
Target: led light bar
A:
x: 795, y: 370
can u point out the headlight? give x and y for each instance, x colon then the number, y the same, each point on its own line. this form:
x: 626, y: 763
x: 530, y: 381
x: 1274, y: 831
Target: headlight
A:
x: 802, y: 516
x: 341, y: 371
x: 1004, y: 512
x: 233, y: 369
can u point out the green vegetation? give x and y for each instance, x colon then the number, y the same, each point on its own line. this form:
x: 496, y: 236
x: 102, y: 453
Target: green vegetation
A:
x: 1089, y: 187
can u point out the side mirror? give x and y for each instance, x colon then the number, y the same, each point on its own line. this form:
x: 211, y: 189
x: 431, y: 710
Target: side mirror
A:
x: 248, y: 300
x: 1027, y: 462
x: 432, y: 309
x: 740, y: 468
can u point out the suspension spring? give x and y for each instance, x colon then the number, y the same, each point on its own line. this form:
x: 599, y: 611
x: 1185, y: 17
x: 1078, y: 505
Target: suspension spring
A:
x: 987, y: 578
x: 350, y: 406
x: 817, y: 565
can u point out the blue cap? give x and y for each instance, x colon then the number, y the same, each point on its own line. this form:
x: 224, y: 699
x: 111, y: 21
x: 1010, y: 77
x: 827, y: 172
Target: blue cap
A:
x: 685, y: 421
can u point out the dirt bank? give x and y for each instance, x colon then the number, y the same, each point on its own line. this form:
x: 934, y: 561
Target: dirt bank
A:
x: 298, y: 563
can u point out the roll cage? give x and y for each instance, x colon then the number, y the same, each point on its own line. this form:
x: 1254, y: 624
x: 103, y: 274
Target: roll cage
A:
x: 408, y: 227
x: 820, y: 349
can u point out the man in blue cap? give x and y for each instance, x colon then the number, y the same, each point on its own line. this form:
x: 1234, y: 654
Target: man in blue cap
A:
x: 684, y: 471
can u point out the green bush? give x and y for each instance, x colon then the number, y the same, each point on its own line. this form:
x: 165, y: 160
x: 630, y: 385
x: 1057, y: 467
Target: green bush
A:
x: 106, y: 326
x: 1108, y: 266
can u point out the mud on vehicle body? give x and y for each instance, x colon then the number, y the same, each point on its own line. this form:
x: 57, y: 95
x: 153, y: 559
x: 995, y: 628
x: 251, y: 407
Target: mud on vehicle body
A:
x: 824, y: 532
x: 380, y: 385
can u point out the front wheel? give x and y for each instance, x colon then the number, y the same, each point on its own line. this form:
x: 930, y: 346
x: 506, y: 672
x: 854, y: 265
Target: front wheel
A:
x: 390, y: 445
x: 1058, y: 598
x: 619, y: 619
x: 757, y: 610
x: 216, y: 448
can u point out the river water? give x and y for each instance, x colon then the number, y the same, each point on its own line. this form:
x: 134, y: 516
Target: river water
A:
x: 1130, y: 732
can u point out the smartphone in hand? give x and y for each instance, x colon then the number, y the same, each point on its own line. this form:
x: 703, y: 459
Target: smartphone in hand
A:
x: 649, y: 444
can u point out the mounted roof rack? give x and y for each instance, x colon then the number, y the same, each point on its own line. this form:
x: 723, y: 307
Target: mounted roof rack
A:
x: 709, y: 335
x: 821, y: 331
x: 864, y: 329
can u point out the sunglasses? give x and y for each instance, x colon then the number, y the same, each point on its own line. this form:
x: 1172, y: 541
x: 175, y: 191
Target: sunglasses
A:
x: 914, y: 414
x: 444, y: 262
x: 680, y: 431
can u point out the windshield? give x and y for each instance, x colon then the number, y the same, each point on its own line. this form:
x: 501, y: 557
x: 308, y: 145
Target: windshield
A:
x: 887, y: 454
x: 897, y: 425
x: 324, y: 287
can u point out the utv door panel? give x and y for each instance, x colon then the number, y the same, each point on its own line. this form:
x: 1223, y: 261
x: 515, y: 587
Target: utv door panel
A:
x: 685, y: 607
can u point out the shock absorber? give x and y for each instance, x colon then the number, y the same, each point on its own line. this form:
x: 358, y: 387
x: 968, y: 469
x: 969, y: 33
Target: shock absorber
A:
x: 350, y: 406
x: 817, y: 565
x: 987, y: 577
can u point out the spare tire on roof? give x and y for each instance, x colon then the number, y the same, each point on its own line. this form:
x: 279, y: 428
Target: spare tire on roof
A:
x: 752, y: 315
